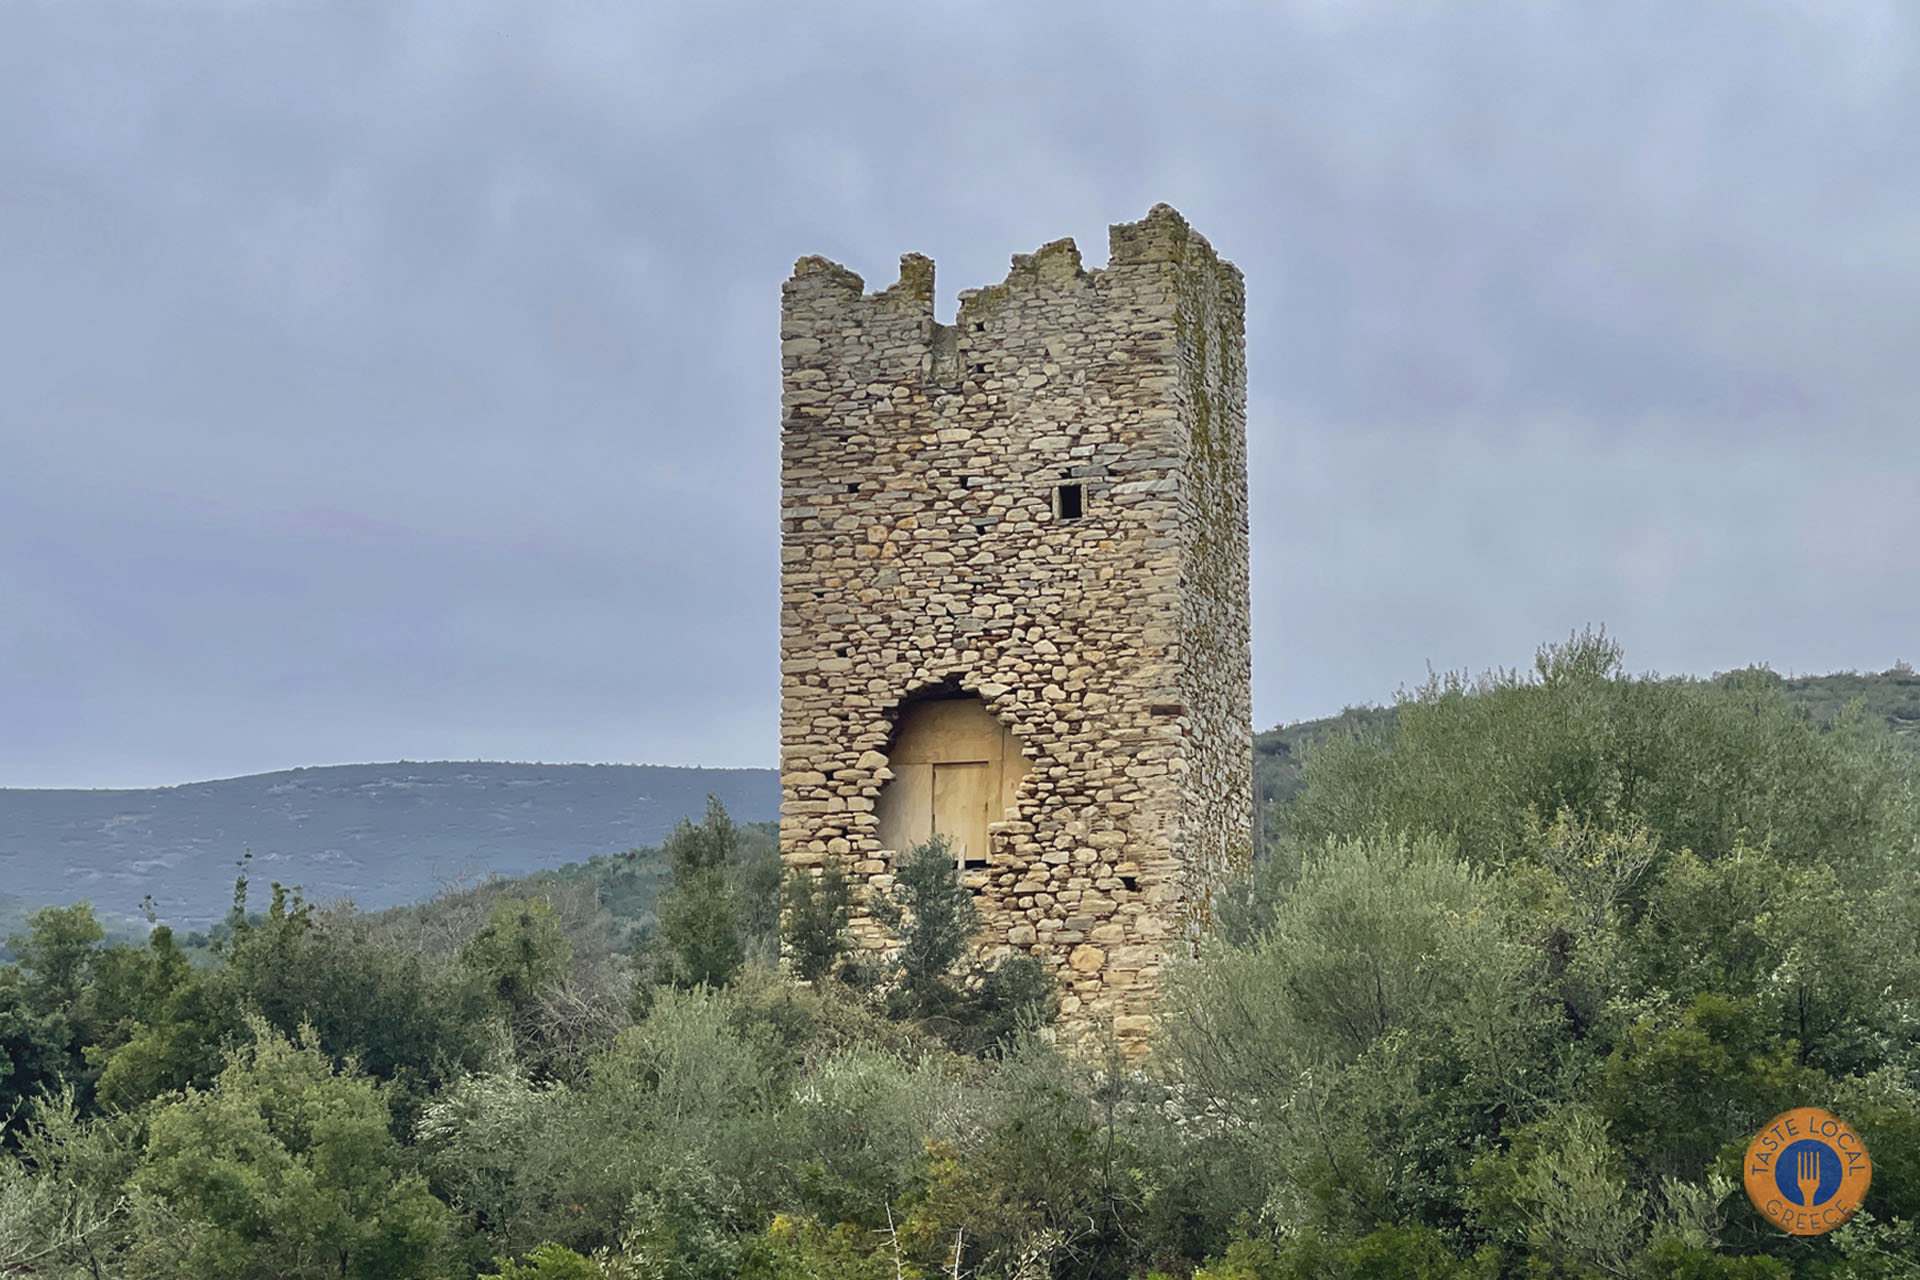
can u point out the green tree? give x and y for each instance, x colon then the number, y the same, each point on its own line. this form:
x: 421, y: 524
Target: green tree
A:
x: 758, y: 875
x: 1561, y: 1193
x: 35, y: 1055
x: 158, y: 1024
x: 63, y: 1200
x: 661, y: 1140
x: 935, y: 978
x: 1383, y: 1026
x: 1056, y: 1177
x: 1679, y: 1090
x: 806, y: 1248
x: 936, y: 920
x: 1393, y: 1252
x: 408, y: 1019
x: 699, y: 914
x: 284, y: 1168
x: 59, y: 945
x: 816, y: 920
x: 1833, y: 967
x: 724, y: 1107
x: 548, y: 1262
x: 1484, y: 762
x: 520, y: 951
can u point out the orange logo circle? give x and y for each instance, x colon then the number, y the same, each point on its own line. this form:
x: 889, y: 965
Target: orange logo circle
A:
x: 1807, y: 1171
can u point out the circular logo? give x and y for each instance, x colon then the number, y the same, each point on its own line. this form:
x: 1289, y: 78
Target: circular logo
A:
x: 1807, y: 1171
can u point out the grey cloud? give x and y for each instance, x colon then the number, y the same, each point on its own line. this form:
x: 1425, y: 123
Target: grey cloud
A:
x: 399, y: 379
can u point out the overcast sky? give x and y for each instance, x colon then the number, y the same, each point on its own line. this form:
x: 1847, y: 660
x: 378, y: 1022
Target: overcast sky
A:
x: 400, y: 379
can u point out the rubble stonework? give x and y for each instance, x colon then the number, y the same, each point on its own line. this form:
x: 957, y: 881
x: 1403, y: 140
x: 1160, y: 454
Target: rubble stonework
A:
x: 925, y: 554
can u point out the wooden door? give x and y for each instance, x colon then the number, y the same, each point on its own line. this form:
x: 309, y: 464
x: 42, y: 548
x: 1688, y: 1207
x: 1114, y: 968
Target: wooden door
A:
x: 962, y: 793
x: 955, y: 769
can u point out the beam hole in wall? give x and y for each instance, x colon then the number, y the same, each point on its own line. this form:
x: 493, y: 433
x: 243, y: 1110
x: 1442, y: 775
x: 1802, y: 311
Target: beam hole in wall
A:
x: 956, y: 768
x: 1068, y: 501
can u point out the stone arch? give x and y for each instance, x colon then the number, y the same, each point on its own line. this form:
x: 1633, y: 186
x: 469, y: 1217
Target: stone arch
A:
x: 956, y: 768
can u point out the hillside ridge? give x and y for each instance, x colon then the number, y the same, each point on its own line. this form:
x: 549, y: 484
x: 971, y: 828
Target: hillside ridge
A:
x: 386, y: 834
x: 380, y: 834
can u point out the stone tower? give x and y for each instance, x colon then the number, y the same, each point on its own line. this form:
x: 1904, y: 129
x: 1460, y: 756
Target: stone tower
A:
x: 1014, y: 596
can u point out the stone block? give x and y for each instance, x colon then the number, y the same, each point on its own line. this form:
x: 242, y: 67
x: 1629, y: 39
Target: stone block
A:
x: 1086, y: 959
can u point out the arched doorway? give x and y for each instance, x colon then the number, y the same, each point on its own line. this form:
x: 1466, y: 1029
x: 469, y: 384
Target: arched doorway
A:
x: 955, y: 769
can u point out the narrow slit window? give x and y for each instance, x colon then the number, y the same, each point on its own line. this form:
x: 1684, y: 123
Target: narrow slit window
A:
x: 1068, y: 501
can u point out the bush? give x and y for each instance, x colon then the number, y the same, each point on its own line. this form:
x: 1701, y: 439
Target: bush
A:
x: 286, y: 1168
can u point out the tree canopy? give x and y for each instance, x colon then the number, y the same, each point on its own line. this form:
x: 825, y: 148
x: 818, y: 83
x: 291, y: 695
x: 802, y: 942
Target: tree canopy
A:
x: 1531, y: 957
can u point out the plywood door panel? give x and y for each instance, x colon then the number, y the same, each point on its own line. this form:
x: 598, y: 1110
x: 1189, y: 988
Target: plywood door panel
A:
x: 952, y: 729
x: 956, y: 768
x: 961, y: 795
x: 906, y: 807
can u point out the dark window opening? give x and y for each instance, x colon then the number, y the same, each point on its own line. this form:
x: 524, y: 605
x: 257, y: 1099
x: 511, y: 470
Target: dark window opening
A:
x: 1130, y: 883
x: 977, y: 368
x: 979, y: 326
x: 1067, y: 502
x: 853, y: 488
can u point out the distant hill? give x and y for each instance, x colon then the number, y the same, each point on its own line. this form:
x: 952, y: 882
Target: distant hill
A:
x: 381, y: 834
x: 390, y: 834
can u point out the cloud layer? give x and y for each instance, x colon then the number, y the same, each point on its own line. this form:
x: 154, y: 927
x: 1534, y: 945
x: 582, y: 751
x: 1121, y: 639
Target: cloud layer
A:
x: 400, y: 379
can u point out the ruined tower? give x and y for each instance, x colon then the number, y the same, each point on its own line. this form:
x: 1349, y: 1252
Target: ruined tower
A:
x: 1014, y: 596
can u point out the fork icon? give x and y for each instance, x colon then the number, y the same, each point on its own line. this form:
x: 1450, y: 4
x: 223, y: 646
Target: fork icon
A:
x: 1806, y: 1173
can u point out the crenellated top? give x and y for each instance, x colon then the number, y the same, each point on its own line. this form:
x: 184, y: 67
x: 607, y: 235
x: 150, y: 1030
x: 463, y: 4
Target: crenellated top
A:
x: 1052, y: 328
x: 820, y: 286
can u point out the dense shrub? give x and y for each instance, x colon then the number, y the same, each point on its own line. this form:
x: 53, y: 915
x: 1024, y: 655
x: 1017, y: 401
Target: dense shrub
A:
x: 1533, y: 959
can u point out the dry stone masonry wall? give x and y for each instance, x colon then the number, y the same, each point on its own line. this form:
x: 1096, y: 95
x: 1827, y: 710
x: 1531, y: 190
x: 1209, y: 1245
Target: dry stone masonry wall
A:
x: 1042, y: 507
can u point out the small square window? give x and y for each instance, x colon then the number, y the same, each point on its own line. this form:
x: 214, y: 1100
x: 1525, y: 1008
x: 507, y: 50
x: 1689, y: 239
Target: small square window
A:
x: 1067, y: 501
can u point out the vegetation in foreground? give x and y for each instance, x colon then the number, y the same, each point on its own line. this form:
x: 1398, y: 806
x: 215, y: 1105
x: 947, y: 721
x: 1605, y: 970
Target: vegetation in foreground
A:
x: 1524, y: 970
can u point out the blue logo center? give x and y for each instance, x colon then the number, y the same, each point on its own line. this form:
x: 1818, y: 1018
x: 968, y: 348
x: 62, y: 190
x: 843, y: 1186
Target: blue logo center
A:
x: 1786, y: 1171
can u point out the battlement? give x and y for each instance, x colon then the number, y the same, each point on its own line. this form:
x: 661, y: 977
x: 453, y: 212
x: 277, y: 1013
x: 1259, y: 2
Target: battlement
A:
x: 831, y: 324
x: 1161, y: 239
